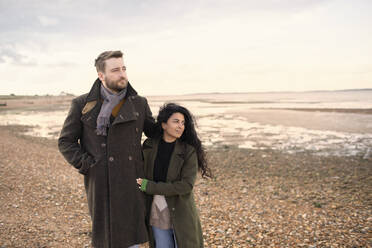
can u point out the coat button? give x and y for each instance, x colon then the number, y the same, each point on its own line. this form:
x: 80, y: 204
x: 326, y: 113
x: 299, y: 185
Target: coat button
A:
x: 111, y: 159
x: 173, y: 209
x: 103, y: 145
x: 137, y: 129
x: 130, y: 158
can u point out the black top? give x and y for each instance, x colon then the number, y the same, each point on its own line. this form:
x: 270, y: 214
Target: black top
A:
x: 163, y: 156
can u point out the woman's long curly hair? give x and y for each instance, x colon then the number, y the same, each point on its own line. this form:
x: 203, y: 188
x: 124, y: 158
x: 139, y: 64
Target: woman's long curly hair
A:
x: 189, y: 135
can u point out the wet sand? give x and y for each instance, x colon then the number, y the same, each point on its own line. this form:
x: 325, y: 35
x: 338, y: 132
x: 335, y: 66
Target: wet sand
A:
x: 258, y: 198
x: 352, y: 121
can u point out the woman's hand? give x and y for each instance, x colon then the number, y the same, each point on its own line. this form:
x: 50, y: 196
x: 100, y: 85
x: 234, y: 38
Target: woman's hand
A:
x: 142, y: 183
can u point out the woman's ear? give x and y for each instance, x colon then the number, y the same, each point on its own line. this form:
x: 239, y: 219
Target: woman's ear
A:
x: 163, y: 125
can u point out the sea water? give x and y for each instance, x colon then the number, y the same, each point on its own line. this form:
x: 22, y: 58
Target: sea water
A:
x: 254, y: 120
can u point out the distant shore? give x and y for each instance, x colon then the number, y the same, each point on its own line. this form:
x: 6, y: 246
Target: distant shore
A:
x: 258, y: 198
x: 34, y: 102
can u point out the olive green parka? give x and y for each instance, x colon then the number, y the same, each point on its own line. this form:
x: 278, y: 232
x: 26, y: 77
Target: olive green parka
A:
x: 178, y: 191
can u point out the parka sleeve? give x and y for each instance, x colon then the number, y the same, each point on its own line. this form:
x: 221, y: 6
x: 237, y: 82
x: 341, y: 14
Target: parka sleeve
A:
x: 68, y: 142
x: 181, y: 187
x: 149, y: 126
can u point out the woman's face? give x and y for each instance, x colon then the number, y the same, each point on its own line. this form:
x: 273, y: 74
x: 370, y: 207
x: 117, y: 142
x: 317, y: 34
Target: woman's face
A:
x: 174, y: 127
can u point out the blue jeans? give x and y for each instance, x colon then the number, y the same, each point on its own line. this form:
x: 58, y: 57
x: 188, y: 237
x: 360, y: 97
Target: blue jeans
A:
x: 164, y: 238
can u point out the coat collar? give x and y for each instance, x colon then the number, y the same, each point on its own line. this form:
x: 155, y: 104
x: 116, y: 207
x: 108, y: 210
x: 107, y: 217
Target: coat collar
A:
x: 95, y: 92
x: 176, y: 160
x: 126, y: 113
x: 179, y: 147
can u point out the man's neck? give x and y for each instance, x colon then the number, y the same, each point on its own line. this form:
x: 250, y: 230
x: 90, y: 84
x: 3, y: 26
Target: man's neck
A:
x: 111, y: 90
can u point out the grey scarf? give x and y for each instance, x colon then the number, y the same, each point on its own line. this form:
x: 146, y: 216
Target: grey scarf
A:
x: 110, y: 100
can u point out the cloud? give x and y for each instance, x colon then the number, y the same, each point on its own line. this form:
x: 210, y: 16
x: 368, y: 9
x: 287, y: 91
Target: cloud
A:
x: 47, y: 21
x: 129, y: 15
x: 10, y: 55
x: 189, y: 41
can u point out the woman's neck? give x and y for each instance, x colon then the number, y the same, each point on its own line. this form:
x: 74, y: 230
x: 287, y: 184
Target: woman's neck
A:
x: 168, y: 138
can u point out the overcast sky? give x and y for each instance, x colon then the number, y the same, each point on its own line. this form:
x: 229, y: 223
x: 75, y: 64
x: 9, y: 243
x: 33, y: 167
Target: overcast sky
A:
x: 187, y: 46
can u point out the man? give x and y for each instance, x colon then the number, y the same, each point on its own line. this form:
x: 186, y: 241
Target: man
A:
x: 101, y: 137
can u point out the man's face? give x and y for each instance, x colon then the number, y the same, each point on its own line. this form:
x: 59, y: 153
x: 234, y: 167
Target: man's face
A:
x: 115, y: 76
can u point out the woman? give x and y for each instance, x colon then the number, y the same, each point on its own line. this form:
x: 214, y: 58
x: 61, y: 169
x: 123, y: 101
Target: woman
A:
x: 171, y: 164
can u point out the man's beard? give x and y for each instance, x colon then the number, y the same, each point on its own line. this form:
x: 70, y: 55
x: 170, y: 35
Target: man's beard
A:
x: 114, y: 85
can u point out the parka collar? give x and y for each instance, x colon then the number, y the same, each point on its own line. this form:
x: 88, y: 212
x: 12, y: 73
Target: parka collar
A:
x: 179, y: 147
x: 176, y: 159
x: 94, y: 93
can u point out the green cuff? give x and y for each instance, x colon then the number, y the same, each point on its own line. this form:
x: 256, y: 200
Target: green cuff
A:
x: 144, y: 185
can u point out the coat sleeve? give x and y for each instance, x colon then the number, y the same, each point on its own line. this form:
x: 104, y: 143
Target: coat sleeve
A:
x: 68, y: 142
x: 181, y: 187
x: 149, y: 126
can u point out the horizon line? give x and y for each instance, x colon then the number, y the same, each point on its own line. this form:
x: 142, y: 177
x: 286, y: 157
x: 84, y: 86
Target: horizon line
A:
x: 64, y: 93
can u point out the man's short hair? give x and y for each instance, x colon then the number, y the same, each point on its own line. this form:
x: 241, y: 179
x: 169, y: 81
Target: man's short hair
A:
x: 101, y: 59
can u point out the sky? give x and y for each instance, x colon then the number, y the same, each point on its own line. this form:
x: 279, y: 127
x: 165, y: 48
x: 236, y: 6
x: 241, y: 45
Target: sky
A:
x: 187, y: 46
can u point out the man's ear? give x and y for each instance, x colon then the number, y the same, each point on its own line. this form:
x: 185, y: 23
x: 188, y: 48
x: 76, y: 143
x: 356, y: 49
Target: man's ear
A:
x: 163, y: 125
x: 101, y: 76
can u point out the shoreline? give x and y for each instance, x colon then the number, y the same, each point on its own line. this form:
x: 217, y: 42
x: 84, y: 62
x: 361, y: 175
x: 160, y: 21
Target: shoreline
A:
x: 366, y: 111
x: 257, y: 198
x: 50, y: 102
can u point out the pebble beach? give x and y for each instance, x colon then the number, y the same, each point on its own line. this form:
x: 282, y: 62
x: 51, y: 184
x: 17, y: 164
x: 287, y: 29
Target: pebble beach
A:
x: 257, y: 198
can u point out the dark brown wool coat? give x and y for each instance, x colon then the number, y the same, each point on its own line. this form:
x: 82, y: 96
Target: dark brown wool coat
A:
x: 110, y: 165
x: 178, y: 191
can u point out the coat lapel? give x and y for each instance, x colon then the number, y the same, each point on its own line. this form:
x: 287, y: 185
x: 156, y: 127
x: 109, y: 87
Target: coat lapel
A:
x: 90, y: 118
x: 127, y: 112
x: 150, y: 155
x: 176, y: 161
x: 93, y: 105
